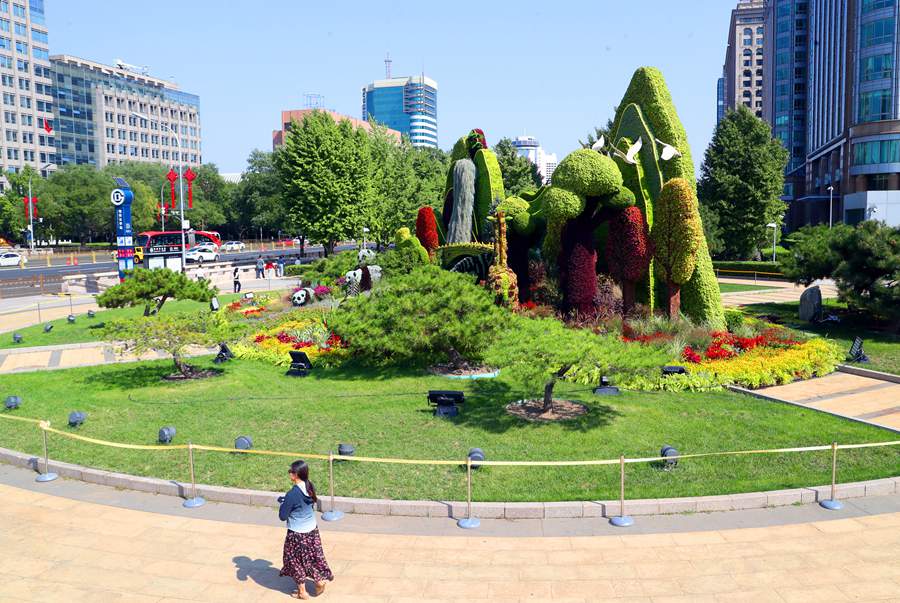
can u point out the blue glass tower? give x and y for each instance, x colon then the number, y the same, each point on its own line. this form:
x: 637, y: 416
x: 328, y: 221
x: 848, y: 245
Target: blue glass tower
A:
x: 405, y: 104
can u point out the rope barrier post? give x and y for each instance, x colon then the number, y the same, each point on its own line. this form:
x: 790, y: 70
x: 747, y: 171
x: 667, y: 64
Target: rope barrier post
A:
x: 332, y: 514
x: 47, y: 475
x: 469, y: 523
x: 39, y: 312
x: 195, y: 501
x: 832, y: 504
x: 622, y: 520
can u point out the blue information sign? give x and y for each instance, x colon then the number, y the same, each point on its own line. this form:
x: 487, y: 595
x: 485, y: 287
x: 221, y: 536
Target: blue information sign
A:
x: 121, y: 199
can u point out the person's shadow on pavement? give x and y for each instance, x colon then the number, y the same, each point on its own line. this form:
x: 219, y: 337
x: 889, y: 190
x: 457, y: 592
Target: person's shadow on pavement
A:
x: 262, y: 572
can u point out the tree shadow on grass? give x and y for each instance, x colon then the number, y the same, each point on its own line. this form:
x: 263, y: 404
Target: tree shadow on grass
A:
x: 485, y: 408
x: 136, y: 375
x: 852, y: 324
x: 355, y: 371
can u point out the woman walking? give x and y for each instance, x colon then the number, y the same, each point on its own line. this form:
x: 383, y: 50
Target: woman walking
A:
x: 303, y: 556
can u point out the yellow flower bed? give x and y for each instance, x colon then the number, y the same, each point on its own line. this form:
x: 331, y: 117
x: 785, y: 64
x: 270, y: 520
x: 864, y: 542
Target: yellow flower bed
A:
x: 310, y: 335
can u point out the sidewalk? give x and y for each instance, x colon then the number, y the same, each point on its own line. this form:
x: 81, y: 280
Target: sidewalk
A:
x: 53, y: 357
x: 782, y: 292
x: 65, y: 541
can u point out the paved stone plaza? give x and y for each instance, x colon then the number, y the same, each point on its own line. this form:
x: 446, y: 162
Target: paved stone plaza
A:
x: 92, y: 543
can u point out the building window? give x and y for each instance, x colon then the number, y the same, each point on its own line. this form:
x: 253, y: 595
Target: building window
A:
x: 875, y: 105
x: 877, y: 32
x: 19, y: 10
x: 39, y: 36
x: 875, y: 68
x: 870, y: 5
x: 876, y: 152
x: 877, y: 182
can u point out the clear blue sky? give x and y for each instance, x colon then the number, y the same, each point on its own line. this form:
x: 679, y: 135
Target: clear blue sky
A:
x: 551, y: 69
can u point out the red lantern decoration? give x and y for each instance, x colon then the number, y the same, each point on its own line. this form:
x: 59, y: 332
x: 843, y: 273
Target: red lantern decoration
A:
x: 172, y: 176
x: 189, y: 175
x: 33, y: 207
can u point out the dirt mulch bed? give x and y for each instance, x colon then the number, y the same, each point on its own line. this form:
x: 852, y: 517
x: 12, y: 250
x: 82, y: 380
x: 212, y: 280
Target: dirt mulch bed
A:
x: 466, y: 370
x: 533, y: 410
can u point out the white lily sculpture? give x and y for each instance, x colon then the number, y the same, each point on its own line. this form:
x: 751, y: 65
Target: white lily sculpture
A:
x: 668, y: 151
x: 629, y: 156
x: 598, y: 146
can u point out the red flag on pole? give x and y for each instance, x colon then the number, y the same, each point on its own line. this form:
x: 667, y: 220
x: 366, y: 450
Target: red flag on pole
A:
x: 189, y: 175
x: 47, y: 126
x: 172, y: 177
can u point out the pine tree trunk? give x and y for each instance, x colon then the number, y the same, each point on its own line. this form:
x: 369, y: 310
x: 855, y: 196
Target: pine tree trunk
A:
x: 674, y: 301
x: 180, y: 364
x: 548, y: 395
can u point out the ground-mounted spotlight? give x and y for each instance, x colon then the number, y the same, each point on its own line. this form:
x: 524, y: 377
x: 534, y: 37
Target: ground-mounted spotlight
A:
x: 300, y: 364
x: 445, y: 402
x: 476, y: 455
x: 346, y: 449
x: 71, y: 319
x: 12, y: 402
x: 166, y: 435
x: 673, y: 370
x: 671, y: 456
x: 606, y: 388
x: 225, y: 354
x: 17, y: 338
x: 243, y: 443
x: 91, y: 314
x: 77, y: 418
x: 214, y: 304
x: 48, y: 327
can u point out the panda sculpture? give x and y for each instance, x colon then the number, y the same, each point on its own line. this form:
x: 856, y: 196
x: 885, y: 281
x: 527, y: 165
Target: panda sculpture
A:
x: 302, y: 297
x: 365, y: 256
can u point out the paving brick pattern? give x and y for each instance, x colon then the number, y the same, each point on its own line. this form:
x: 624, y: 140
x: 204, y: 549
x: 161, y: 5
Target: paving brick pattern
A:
x: 781, y: 293
x: 60, y: 549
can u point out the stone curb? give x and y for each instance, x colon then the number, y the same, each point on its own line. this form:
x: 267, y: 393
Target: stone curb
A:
x: 457, y: 510
x: 864, y: 372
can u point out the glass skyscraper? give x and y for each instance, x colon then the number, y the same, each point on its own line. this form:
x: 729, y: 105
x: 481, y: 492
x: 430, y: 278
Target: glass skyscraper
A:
x: 405, y: 104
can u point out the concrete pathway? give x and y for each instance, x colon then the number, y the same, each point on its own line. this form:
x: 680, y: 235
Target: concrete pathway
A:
x: 56, y: 548
x: 871, y: 400
x: 53, y: 357
x: 781, y: 292
x: 24, y: 312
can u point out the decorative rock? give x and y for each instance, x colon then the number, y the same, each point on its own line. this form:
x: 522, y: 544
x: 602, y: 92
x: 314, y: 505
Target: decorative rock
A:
x: 811, y: 304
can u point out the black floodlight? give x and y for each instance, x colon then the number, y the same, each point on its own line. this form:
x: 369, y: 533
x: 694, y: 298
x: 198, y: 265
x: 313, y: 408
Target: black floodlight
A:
x: 48, y: 327
x: 225, y: 354
x: 76, y: 418
x: 13, y: 402
x: 475, y: 456
x: 671, y: 456
x: 17, y: 338
x: 243, y: 443
x: 673, y: 370
x: 71, y: 318
x: 445, y: 402
x: 91, y: 314
x: 300, y: 364
x: 606, y: 388
x: 166, y: 435
x: 346, y: 449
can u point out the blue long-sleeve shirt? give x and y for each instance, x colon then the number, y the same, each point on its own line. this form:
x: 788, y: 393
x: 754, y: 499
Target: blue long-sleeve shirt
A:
x: 299, y: 515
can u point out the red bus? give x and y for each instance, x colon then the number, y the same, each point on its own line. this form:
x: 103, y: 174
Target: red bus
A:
x: 170, y: 239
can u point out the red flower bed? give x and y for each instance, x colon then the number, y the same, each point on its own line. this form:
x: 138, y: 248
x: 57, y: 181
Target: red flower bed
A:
x: 726, y: 345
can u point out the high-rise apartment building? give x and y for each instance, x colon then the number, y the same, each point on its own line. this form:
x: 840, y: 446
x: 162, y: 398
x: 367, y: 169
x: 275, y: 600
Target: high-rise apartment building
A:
x: 27, y: 88
x: 529, y: 147
x: 405, y: 104
x: 112, y: 114
x: 785, y: 77
x: 743, y: 70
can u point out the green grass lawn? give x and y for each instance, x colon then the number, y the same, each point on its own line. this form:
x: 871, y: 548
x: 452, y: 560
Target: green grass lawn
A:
x: 384, y: 414
x: 881, y: 346
x: 87, y: 329
x: 738, y: 288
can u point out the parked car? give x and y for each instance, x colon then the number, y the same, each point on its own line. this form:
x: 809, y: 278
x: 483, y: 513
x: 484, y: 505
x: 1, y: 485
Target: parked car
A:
x: 233, y: 246
x: 202, y: 253
x: 12, y: 258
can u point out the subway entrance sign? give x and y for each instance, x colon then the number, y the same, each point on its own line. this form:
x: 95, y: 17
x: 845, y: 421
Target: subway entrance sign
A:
x: 121, y: 198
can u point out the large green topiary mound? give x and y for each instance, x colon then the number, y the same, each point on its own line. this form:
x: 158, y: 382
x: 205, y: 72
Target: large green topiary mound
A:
x: 488, y: 189
x: 588, y: 173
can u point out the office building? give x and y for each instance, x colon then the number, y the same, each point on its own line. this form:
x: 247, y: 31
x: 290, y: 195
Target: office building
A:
x: 743, y: 70
x: 785, y: 78
x: 405, y: 104
x: 26, y: 85
x: 720, y: 98
x: 528, y: 146
x: 112, y: 114
x: 299, y: 114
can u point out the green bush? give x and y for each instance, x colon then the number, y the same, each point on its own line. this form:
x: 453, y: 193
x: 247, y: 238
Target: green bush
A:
x: 426, y: 316
x: 588, y: 173
x: 734, y: 320
x: 812, y: 255
x: 516, y: 211
x: 327, y: 270
x: 407, y: 254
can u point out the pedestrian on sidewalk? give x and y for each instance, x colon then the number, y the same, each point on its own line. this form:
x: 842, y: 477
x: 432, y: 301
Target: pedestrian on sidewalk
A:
x: 303, y: 557
x: 280, y: 271
x: 270, y: 268
x: 236, y: 277
x: 260, y: 266
x: 201, y: 273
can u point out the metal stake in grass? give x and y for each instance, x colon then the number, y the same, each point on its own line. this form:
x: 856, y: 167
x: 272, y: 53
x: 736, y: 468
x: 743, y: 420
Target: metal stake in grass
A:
x: 333, y: 514
x: 622, y: 521
x: 469, y: 523
x: 47, y: 475
x: 833, y: 504
x: 194, y: 501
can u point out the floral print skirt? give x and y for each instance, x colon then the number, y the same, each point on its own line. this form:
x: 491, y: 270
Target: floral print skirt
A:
x: 304, y: 558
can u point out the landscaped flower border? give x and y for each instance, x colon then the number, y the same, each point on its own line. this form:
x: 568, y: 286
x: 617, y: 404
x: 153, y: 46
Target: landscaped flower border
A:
x: 309, y: 334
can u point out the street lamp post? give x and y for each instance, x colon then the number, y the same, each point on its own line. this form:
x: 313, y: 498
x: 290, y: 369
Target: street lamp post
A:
x: 31, y: 206
x: 830, y: 202
x: 162, y: 207
x: 774, y: 228
x: 180, y: 182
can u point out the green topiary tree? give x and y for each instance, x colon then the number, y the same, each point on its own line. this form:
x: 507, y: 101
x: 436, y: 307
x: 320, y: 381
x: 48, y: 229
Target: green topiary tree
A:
x: 676, y: 235
x: 152, y: 288
x: 587, y: 173
x: 427, y: 316
x: 488, y: 191
x: 407, y: 254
